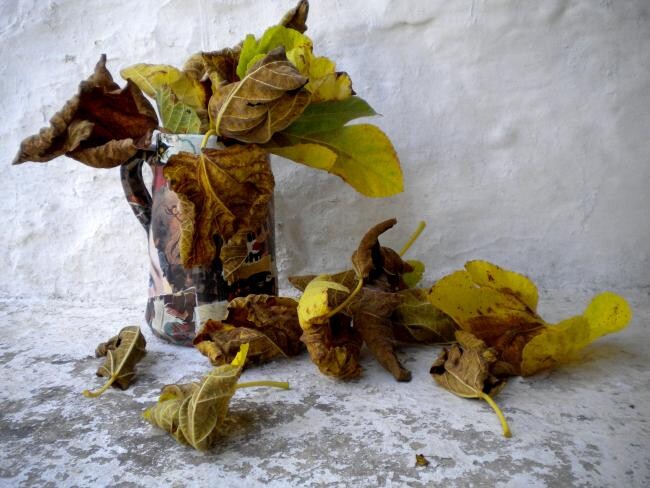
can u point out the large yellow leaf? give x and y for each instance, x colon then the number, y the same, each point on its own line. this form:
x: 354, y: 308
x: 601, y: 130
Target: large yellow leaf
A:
x: 498, y: 307
x: 365, y: 157
x: 607, y: 313
x: 152, y: 77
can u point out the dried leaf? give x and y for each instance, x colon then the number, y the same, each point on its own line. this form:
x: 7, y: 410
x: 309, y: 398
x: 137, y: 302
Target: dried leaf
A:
x: 334, y: 346
x: 420, y: 460
x: 416, y: 320
x: 268, y: 99
x: 268, y: 323
x: 193, y: 413
x: 371, y: 313
x: 365, y: 157
x: 219, y: 66
x: 499, y: 307
x: 465, y: 372
x: 296, y: 18
x: 122, y: 354
x: 372, y: 261
x: 152, y: 77
x: 101, y: 126
x: 224, y: 192
x: 176, y: 116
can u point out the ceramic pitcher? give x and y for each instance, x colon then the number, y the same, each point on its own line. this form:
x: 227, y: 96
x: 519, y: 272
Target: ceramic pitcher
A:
x: 181, y: 299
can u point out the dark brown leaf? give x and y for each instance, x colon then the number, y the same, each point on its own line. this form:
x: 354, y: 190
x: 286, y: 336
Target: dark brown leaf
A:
x: 296, y: 18
x: 102, y: 126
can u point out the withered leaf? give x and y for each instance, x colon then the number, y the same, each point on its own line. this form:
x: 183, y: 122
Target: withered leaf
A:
x: 268, y: 323
x: 464, y: 369
x: 193, y: 413
x: 122, y: 353
x: 268, y: 99
x: 417, y: 320
x: 371, y: 312
x: 420, y: 460
x: 333, y: 345
x: 372, y: 261
x: 219, y: 67
x: 223, y: 192
x: 296, y: 18
x: 101, y: 126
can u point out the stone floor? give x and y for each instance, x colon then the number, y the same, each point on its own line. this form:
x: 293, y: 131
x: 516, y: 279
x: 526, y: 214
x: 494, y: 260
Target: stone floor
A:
x: 585, y: 424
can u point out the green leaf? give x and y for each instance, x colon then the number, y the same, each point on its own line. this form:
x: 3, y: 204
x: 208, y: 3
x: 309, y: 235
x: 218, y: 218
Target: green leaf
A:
x: 176, y: 116
x: 252, y: 50
x: 414, y: 277
x: 365, y: 157
x: 330, y: 115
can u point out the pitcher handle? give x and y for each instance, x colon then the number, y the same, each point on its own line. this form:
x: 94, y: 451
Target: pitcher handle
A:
x: 135, y: 189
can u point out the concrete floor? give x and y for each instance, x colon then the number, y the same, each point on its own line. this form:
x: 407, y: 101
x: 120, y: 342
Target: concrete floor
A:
x: 583, y: 425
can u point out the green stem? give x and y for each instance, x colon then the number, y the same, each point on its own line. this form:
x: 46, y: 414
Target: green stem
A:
x: 274, y: 384
x: 497, y: 410
x: 413, y: 237
x: 96, y: 393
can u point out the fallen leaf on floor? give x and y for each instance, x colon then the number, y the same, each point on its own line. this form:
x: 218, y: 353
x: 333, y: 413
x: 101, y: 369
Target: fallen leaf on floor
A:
x: 122, y: 353
x: 268, y: 323
x: 499, y: 307
x: 421, y: 461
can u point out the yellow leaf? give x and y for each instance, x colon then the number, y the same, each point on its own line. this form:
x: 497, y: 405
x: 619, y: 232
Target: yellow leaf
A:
x: 607, y: 313
x: 366, y: 159
x: 484, y: 273
x: 314, y: 303
x: 152, y: 77
x: 319, y: 157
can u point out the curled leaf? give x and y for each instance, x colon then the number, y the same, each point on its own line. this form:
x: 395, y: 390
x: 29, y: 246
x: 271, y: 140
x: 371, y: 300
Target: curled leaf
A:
x: 222, y: 192
x: 193, y: 413
x: 268, y: 323
x: 268, y: 99
x: 102, y: 126
x: 334, y: 346
x: 465, y: 371
x: 296, y: 18
x: 122, y: 353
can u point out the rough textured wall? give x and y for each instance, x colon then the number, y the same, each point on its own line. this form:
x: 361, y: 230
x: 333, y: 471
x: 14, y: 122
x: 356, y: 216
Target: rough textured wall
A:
x: 522, y: 128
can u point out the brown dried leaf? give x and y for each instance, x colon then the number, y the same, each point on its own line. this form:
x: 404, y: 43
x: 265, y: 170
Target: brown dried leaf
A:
x: 296, y: 18
x: 268, y: 323
x: 224, y: 192
x: 371, y: 312
x: 376, y: 263
x: 464, y: 369
x: 122, y: 353
x: 101, y: 126
x: 268, y: 99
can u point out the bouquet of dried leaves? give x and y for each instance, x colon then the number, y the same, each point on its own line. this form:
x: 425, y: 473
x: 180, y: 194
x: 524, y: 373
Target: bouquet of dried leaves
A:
x: 270, y: 94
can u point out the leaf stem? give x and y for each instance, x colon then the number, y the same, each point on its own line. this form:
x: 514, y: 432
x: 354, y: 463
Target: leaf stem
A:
x: 96, y: 393
x: 207, y: 135
x: 346, y: 301
x: 413, y: 237
x: 497, y: 410
x: 273, y: 384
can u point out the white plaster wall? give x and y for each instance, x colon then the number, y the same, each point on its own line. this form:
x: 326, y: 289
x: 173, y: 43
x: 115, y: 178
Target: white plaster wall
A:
x: 522, y: 126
